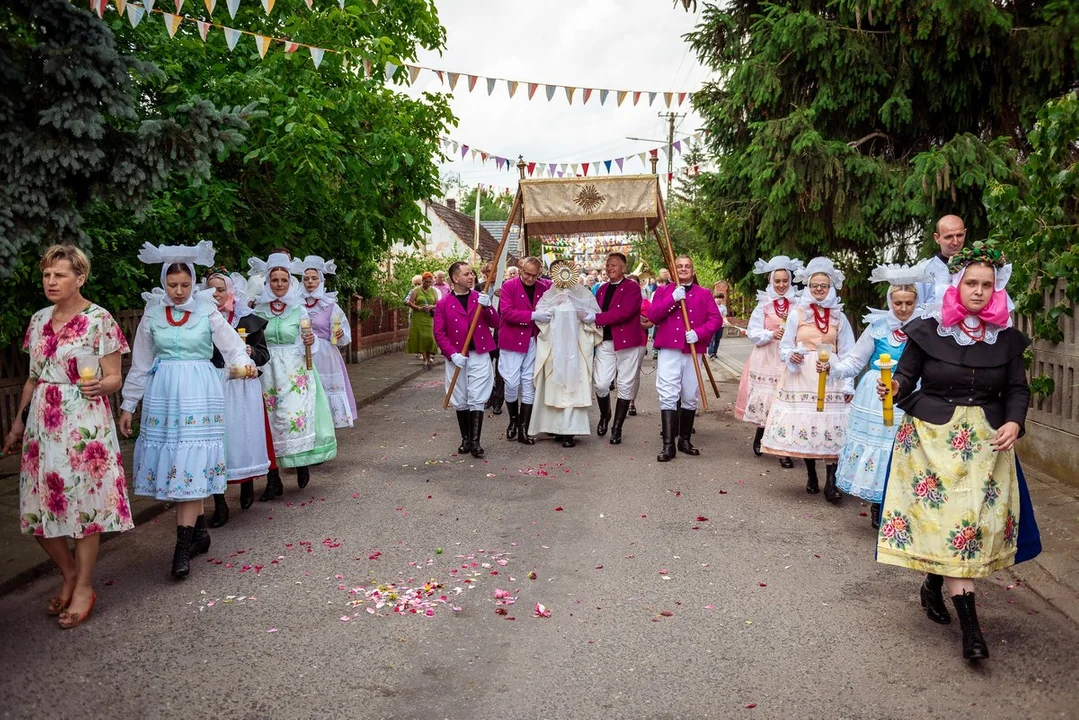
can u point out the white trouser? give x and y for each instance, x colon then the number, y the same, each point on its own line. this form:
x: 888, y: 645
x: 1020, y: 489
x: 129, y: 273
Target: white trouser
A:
x: 623, y: 365
x: 676, y: 380
x: 516, y: 369
x: 474, y: 384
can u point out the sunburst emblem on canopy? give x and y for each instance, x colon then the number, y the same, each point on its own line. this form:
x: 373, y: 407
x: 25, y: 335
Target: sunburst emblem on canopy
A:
x: 565, y: 273
x: 589, y: 199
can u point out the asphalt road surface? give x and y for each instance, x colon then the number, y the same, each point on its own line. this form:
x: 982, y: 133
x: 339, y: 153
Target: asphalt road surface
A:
x: 706, y: 587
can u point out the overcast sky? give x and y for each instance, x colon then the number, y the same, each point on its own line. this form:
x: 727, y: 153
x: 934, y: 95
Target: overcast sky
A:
x: 624, y: 44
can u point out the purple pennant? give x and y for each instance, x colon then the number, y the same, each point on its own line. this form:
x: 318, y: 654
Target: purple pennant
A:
x: 464, y: 151
x: 619, y: 162
x: 551, y: 169
x: 678, y: 146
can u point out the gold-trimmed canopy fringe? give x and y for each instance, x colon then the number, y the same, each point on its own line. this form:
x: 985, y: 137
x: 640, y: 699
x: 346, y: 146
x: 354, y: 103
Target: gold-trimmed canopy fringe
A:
x: 565, y: 206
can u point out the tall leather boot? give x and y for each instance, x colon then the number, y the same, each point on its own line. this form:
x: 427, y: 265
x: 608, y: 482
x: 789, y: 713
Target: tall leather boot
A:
x: 522, y: 426
x: 463, y: 422
x: 831, y: 492
x: 874, y: 515
x: 811, y: 477
x: 273, y: 486
x: 498, y: 395
x: 668, y: 420
x: 475, y: 430
x: 685, y: 432
x: 303, y: 476
x: 757, y: 437
x: 514, y: 409
x: 200, y: 541
x: 621, y: 409
x: 974, y: 647
x: 221, y: 511
x: 181, y: 556
x: 604, y: 404
x: 247, y: 494
x: 932, y: 595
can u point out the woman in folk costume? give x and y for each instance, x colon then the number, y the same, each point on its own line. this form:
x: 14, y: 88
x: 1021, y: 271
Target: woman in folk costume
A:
x: 956, y: 504
x: 247, y: 455
x: 300, y: 419
x: 863, y: 461
x: 760, y: 378
x: 331, y: 327
x: 180, y: 452
x: 795, y: 428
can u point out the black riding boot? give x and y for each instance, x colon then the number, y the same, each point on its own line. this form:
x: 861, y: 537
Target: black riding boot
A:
x: 498, y: 395
x: 463, y: 422
x: 621, y: 409
x: 604, y: 404
x: 669, y: 427
x: 247, y: 494
x: 181, y: 557
x: 874, y: 515
x: 273, y: 486
x: 303, y: 476
x: 831, y: 492
x: 221, y: 511
x: 514, y: 408
x: 685, y: 432
x: 522, y: 426
x: 974, y: 647
x: 932, y: 594
x: 200, y: 541
x: 811, y: 480
x: 757, y: 441
x: 475, y: 430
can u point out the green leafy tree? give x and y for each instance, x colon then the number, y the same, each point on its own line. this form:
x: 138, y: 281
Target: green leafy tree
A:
x: 846, y: 127
x: 493, y: 205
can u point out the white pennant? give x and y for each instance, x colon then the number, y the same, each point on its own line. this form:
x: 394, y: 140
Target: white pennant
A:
x: 491, y: 85
x: 316, y: 55
x: 148, y: 5
x: 231, y: 37
x: 204, y: 28
x: 390, y: 70
x: 179, y: 6
x: 134, y: 14
x: 341, y: 3
x: 233, y: 6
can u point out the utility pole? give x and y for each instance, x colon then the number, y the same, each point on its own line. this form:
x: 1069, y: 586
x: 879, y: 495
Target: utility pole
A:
x: 671, y: 118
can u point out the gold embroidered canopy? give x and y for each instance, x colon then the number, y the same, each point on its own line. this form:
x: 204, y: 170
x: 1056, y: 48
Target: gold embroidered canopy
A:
x: 564, y: 206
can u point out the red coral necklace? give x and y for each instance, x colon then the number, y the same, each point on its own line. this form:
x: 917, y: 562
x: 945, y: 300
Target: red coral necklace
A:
x: 899, y: 336
x: 782, y: 306
x: 172, y: 321
x: 277, y: 307
x: 822, y: 318
x: 311, y: 302
x: 976, y: 334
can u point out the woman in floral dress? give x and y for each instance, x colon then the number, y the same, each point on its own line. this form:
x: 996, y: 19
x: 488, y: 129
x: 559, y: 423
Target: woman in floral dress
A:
x: 300, y: 418
x: 956, y: 505
x: 330, y: 325
x: 72, y: 483
x: 794, y: 427
x: 760, y: 377
x: 180, y: 451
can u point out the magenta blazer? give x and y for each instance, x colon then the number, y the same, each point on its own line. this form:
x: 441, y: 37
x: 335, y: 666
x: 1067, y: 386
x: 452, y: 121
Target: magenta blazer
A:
x: 452, y: 321
x: 666, y: 314
x: 624, y: 315
x: 516, y: 329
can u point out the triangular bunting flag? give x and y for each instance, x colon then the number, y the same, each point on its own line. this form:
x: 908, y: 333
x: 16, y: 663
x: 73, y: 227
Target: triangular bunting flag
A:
x: 607, y: 164
x: 134, y: 14
x: 179, y: 6
x: 441, y: 79
x: 667, y: 98
x: 483, y: 157
x: 233, y: 6
x: 512, y: 86
x: 341, y: 3
x: 464, y: 151
x: 569, y: 94
x: 204, y: 28
x: 98, y: 6
x: 171, y: 23
x: 455, y: 146
x: 550, y: 92
x: 636, y: 97
x: 618, y: 162
x: 651, y: 98
x: 148, y: 5
x: 678, y: 146
x: 474, y: 153
x: 211, y: 5
x: 316, y: 56
x: 263, y: 44
x: 471, y: 82
x: 573, y: 168
x: 551, y: 169
x: 231, y: 37
x: 603, y: 96
x: 585, y: 167
x: 120, y: 5
x: 622, y: 96
x: 670, y: 176
x: 413, y: 73
x: 498, y: 163
x: 587, y: 94
x: 267, y: 5
x: 643, y: 159
x: 491, y: 85
x: 291, y: 47
x: 562, y: 169
x: 310, y: 4
x: 391, y: 70
x: 454, y: 77
x: 681, y: 98
x: 531, y: 168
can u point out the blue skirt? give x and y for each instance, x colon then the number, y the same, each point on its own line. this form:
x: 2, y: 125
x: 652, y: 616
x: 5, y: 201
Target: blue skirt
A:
x: 180, y: 452
x: 864, y: 459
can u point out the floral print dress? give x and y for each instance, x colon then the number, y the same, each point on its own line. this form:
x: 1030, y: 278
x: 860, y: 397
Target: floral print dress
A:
x: 72, y: 482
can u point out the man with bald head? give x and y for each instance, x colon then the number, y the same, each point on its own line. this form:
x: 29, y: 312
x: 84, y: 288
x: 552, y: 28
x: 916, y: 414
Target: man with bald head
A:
x: 950, y: 237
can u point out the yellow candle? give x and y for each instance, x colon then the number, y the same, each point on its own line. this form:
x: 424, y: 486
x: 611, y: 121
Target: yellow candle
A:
x: 886, y: 378
x: 822, y: 379
x: 337, y: 326
x: 305, y: 327
x: 243, y: 334
x: 87, y: 374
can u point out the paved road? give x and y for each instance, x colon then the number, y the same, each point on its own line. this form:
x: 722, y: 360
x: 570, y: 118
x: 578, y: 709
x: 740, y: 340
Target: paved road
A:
x: 693, y: 589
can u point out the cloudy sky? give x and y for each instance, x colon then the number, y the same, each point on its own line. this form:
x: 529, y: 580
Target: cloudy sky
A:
x: 624, y: 44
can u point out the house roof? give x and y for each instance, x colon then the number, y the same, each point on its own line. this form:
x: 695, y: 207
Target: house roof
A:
x: 464, y: 227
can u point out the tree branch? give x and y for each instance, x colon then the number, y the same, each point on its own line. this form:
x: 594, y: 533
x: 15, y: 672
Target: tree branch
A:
x: 867, y: 138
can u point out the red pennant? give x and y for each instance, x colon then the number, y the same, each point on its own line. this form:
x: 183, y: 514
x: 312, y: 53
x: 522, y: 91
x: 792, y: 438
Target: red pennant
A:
x: 587, y: 94
x: 670, y: 176
x: 585, y: 166
x: 531, y: 168
x: 681, y: 98
x: 441, y: 80
x: 636, y: 97
x: 483, y: 156
x: 471, y: 82
x: 532, y: 89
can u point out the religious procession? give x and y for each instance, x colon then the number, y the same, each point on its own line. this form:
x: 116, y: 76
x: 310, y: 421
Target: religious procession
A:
x: 462, y: 434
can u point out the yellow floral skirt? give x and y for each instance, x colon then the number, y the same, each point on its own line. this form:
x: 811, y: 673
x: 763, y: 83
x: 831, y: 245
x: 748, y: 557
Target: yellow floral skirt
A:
x: 951, y: 506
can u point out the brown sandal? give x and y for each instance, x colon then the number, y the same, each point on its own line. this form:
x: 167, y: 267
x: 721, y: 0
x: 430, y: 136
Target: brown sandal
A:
x: 56, y: 606
x: 73, y: 620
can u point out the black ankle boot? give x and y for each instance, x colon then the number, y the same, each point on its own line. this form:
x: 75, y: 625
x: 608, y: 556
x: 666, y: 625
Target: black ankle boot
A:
x: 974, y: 647
x: 514, y: 409
x: 568, y: 441
x: 632, y: 409
x: 932, y: 594
x: 273, y: 486
x: 181, y: 557
x: 621, y: 409
x: 811, y: 477
x: 463, y: 423
x: 669, y: 428
x: 685, y: 432
x: 831, y: 492
x: 604, y: 404
x: 786, y: 462
x: 757, y: 441
x: 200, y: 541
x: 247, y: 494
x: 303, y: 476
x: 221, y: 511
x: 475, y: 430
x: 522, y: 427
x: 874, y: 515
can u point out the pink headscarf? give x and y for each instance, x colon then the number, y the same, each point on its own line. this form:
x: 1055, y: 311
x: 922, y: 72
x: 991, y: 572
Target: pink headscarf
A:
x: 996, y: 311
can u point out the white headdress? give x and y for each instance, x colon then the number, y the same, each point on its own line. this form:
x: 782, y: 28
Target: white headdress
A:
x: 235, y: 285
x: 323, y: 268
x: 263, y: 268
x: 821, y: 266
x: 779, y: 262
x: 188, y: 255
x: 882, y: 322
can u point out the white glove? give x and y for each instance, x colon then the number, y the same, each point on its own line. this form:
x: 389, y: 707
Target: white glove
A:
x: 485, y: 300
x: 691, y: 336
x: 589, y: 317
x: 679, y: 294
x: 541, y: 317
x: 459, y: 360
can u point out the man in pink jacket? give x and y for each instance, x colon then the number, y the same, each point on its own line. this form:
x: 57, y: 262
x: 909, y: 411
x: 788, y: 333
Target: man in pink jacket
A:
x: 517, y: 333
x: 676, y: 380
x: 618, y: 357
x: 453, y: 316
